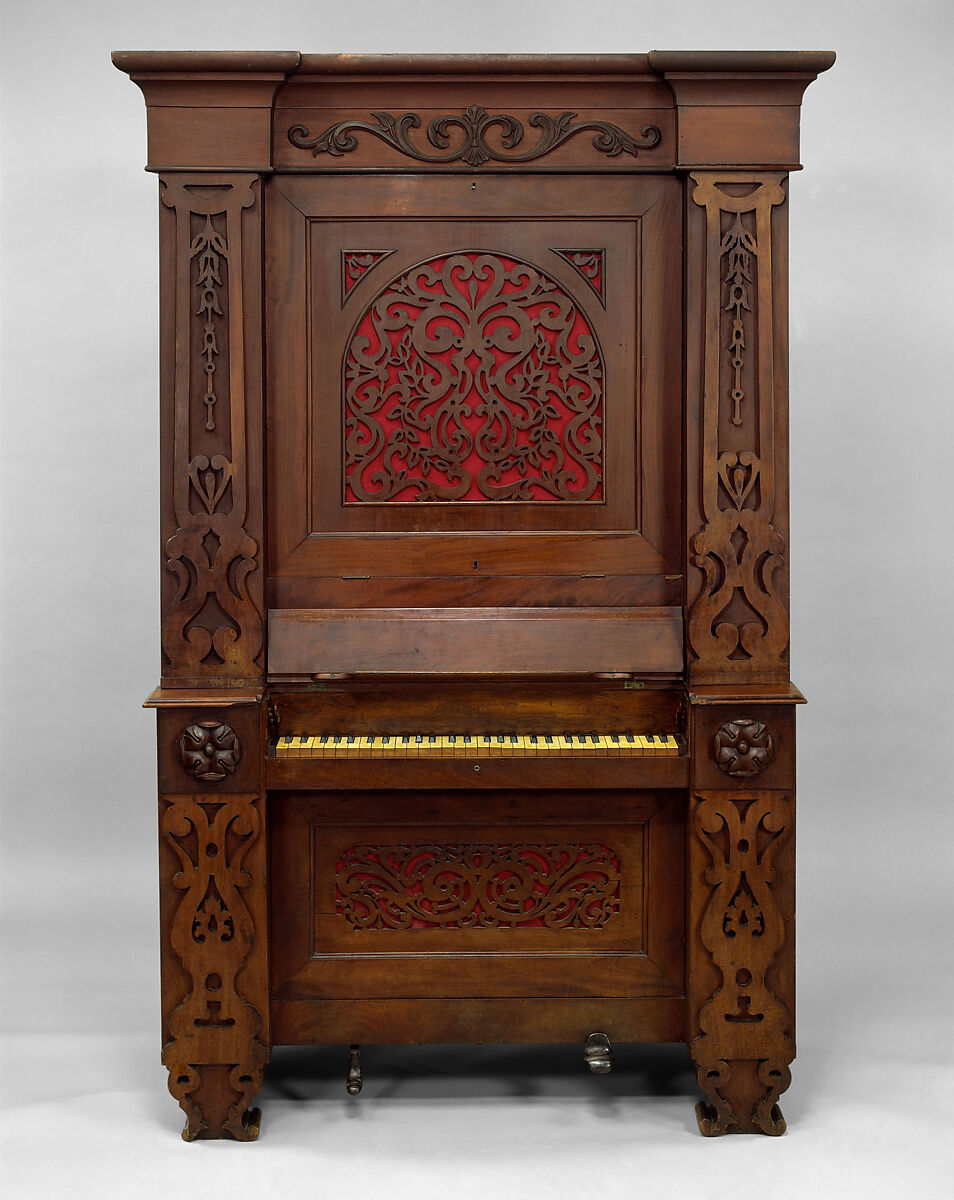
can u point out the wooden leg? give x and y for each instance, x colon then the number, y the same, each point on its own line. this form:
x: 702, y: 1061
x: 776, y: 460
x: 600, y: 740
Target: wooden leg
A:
x: 739, y: 959
x: 215, y: 1050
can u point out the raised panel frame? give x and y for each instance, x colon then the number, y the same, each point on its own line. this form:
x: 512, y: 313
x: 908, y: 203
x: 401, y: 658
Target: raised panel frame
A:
x: 641, y: 542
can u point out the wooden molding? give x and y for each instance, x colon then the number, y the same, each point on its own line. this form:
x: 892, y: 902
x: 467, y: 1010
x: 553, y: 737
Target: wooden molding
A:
x: 738, y: 108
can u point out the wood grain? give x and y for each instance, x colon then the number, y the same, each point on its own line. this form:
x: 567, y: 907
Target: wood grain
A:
x: 465, y: 504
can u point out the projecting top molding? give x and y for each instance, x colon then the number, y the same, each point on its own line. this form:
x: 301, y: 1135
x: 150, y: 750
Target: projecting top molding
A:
x: 323, y: 113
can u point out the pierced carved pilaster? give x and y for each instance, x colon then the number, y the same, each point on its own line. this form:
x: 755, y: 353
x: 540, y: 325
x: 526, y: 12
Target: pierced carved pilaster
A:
x: 738, y: 621
x: 217, y: 1042
x: 212, y: 617
x: 746, y: 1040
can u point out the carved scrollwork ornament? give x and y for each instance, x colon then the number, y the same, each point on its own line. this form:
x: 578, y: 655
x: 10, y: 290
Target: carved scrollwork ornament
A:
x: 209, y: 750
x: 743, y: 747
x: 471, y: 145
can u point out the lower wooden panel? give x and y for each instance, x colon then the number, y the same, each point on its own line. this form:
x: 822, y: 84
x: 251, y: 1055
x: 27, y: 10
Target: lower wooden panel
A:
x: 337, y: 1022
x: 454, y: 895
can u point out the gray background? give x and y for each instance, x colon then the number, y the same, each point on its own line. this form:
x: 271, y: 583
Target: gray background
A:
x: 871, y: 301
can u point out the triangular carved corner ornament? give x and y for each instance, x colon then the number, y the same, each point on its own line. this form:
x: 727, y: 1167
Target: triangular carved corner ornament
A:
x: 591, y: 264
x: 355, y: 264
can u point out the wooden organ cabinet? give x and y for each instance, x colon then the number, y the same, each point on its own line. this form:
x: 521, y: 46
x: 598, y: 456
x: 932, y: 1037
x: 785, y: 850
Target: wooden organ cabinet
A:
x: 475, y: 721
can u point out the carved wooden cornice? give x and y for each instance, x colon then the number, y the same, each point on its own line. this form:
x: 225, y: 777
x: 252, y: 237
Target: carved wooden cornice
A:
x: 710, y: 90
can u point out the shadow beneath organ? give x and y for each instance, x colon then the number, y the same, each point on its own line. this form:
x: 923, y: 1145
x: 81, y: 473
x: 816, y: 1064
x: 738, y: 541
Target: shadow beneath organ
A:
x: 442, y: 1072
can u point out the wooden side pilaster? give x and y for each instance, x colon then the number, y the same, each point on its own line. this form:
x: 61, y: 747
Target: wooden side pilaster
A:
x: 209, y: 123
x: 737, y: 120
x: 213, y: 910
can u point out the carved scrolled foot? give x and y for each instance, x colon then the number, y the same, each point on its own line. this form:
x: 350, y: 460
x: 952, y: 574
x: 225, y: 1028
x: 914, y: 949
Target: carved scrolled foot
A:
x: 214, y: 1099
x: 742, y: 1098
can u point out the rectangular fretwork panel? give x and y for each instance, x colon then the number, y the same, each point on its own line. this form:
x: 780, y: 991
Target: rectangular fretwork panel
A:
x: 517, y: 896
x: 470, y: 378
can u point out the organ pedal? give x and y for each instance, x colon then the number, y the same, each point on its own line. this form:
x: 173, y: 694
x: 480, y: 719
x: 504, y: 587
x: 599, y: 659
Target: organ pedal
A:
x: 355, y: 1080
x: 598, y: 1054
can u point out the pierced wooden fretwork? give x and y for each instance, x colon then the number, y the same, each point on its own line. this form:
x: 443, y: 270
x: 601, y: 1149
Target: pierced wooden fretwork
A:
x: 738, y: 246
x: 743, y: 747
x: 215, y: 1054
x: 209, y: 750
x: 591, y: 264
x: 473, y: 147
x: 212, y: 625
x: 209, y: 250
x: 737, y: 620
x: 355, y: 264
x: 743, y: 1024
x: 473, y: 377
x: 478, y: 886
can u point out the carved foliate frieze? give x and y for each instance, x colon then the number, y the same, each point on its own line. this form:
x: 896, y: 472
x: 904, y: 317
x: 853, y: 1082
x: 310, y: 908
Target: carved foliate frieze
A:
x: 473, y: 377
x: 209, y: 750
x: 493, y: 886
x: 462, y: 137
x: 738, y: 623
x: 211, y: 624
x: 743, y: 747
x: 215, y: 1046
x: 743, y: 929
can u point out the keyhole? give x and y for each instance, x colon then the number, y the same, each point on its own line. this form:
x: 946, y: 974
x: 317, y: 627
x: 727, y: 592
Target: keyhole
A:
x: 473, y: 187
x: 476, y: 564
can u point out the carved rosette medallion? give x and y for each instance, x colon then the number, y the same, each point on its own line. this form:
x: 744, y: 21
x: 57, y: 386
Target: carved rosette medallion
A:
x: 743, y: 747
x: 211, y: 624
x: 209, y: 750
x: 737, y: 623
x: 473, y: 377
x: 215, y: 1054
x: 468, y: 133
x: 743, y: 930
x: 492, y: 886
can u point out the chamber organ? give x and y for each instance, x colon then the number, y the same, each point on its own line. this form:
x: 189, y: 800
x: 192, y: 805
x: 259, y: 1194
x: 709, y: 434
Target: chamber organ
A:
x: 474, y: 516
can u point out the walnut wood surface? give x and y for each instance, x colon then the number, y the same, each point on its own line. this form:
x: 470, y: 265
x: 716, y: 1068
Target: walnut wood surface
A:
x: 468, y: 641
x: 500, y: 341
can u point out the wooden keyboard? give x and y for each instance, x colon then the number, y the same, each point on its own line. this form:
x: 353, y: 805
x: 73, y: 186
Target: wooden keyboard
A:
x: 477, y: 745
